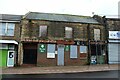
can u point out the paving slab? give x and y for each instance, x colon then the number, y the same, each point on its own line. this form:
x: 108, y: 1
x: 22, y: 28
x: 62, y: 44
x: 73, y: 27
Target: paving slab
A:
x: 59, y: 69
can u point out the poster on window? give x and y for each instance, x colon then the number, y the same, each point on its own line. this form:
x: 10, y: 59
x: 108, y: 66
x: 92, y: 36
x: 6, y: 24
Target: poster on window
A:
x: 50, y: 55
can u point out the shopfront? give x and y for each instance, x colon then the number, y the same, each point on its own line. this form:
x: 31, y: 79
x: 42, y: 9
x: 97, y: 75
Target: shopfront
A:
x: 8, y: 53
x: 114, y: 47
x: 98, y: 53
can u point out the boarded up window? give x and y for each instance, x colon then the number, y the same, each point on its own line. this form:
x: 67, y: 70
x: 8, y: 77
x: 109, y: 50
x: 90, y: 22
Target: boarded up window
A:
x: 83, y: 49
x: 96, y: 34
x: 73, y: 51
x: 42, y: 31
x: 51, y: 51
x: 68, y: 32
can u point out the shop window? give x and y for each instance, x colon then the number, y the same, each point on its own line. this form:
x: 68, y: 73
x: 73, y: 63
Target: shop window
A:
x: 11, y: 47
x: 73, y: 51
x: 83, y: 49
x: 51, y: 51
x: 3, y: 46
x: 7, y: 29
x: 42, y: 31
x: 68, y: 32
x: 96, y: 34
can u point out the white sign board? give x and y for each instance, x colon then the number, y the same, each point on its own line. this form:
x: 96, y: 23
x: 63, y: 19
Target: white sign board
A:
x: 50, y: 55
x: 114, y: 34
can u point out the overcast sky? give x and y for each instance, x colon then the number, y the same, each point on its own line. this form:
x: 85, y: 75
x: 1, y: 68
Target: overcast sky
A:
x: 75, y: 7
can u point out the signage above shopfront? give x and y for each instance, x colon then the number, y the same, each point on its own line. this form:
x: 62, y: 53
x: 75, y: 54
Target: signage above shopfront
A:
x: 114, y: 34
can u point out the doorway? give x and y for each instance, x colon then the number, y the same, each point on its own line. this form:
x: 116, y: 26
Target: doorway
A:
x: 97, y: 54
x: 60, y: 58
x: 30, y: 54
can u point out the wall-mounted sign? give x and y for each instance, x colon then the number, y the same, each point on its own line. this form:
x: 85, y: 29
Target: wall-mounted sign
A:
x: 80, y: 43
x: 67, y: 47
x: 114, y: 34
x: 42, y: 48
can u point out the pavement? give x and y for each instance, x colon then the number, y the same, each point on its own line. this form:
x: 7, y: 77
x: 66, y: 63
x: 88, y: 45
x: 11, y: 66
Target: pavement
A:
x: 59, y: 69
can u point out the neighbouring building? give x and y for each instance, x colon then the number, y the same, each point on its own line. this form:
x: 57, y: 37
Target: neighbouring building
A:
x: 49, y: 39
x: 114, y: 40
x: 9, y: 39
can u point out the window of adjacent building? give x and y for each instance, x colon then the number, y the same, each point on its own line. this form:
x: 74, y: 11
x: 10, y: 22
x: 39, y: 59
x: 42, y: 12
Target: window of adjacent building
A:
x: 96, y: 34
x: 42, y: 31
x: 3, y: 46
x: 11, y: 47
x: 68, y: 32
x: 83, y: 49
x: 51, y: 51
x: 7, y: 29
x: 73, y: 51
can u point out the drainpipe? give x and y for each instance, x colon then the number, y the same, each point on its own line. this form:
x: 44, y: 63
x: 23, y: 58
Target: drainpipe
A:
x: 89, y: 52
x: 19, y: 48
x: 106, y: 36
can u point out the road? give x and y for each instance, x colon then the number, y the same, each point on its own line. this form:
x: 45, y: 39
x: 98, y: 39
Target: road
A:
x: 101, y: 74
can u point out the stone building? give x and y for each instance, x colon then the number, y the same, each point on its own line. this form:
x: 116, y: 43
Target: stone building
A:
x: 49, y: 39
x: 114, y: 40
x: 112, y: 34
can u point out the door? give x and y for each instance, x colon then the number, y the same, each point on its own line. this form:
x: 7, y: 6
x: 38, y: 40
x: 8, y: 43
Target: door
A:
x: 60, y: 58
x: 3, y: 58
x: 10, y: 60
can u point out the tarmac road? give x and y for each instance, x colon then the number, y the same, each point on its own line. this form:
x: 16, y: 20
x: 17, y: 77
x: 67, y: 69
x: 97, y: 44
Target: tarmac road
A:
x: 112, y: 75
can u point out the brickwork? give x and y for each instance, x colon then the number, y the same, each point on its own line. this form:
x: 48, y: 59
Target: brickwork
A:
x: 113, y: 25
x: 42, y: 59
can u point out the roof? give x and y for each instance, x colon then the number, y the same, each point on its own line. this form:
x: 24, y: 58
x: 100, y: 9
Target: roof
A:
x: 59, y: 17
x: 10, y: 17
x: 114, y: 19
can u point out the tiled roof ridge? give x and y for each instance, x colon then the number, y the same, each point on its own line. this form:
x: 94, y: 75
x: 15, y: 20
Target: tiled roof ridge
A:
x: 58, y: 14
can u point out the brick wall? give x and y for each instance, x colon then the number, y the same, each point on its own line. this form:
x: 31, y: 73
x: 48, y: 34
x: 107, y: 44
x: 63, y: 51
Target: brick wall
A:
x: 42, y: 59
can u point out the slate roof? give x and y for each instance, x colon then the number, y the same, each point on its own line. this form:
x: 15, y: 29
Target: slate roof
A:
x: 10, y: 17
x: 60, y: 17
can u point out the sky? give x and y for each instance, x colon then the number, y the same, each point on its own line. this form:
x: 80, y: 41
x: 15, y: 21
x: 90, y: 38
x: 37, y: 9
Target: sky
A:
x: 75, y: 7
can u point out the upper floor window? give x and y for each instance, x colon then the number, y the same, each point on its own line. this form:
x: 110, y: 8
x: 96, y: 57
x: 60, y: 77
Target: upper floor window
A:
x: 7, y: 29
x: 68, y: 32
x: 42, y: 31
x: 96, y: 34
